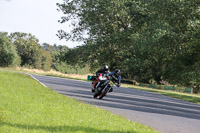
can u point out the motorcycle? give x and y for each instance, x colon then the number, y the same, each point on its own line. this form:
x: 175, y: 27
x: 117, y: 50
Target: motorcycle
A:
x: 102, y: 86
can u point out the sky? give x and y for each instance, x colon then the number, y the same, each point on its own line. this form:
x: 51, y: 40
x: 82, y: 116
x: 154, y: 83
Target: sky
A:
x: 38, y: 17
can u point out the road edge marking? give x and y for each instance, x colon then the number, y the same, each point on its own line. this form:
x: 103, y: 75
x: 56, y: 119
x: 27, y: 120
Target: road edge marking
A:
x: 37, y: 80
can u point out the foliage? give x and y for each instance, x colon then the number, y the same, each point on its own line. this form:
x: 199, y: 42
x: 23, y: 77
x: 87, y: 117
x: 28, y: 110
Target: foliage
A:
x: 68, y: 69
x: 8, y: 54
x: 181, y: 19
x: 30, y: 51
x: 147, y: 40
x: 28, y: 48
x: 54, y: 48
x: 46, y: 60
x: 58, y: 54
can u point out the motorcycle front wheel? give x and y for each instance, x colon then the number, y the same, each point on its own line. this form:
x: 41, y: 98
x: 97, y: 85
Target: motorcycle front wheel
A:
x: 103, y: 93
x: 97, y: 92
x: 95, y: 95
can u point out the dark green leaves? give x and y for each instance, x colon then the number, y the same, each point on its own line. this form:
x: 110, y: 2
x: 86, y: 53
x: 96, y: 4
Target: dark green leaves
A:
x: 148, y: 40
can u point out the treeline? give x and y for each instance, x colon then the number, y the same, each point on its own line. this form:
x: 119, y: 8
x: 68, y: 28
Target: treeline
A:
x: 149, y: 40
x: 23, y: 49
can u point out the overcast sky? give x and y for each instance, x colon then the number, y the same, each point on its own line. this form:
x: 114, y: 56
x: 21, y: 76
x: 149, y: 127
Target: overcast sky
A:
x: 38, y: 17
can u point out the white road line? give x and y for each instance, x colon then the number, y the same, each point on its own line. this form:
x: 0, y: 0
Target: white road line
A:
x: 36, y: 79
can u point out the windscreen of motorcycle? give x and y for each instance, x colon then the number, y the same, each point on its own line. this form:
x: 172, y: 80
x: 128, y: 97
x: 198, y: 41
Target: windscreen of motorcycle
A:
x: 102, y: 78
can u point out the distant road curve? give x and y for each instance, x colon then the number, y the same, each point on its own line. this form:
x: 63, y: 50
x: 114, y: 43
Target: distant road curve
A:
x: 164, y: 114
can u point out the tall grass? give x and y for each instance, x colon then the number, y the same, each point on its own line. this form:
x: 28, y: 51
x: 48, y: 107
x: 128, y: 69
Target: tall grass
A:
x: 26, y: 106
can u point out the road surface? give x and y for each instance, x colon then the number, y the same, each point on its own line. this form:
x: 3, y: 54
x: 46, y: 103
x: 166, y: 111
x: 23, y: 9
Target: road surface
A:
x: 164, y: 114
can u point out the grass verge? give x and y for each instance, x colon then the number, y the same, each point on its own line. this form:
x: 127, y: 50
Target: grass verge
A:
x: 194, y: 98
x: 26, y: 106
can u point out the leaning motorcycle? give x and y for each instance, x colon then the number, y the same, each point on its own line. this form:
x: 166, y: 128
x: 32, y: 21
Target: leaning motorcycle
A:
x: 103, y: 86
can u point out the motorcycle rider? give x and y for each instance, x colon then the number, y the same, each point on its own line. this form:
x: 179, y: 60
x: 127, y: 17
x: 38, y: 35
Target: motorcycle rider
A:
x: 103, y: 70
x: 115, y: 77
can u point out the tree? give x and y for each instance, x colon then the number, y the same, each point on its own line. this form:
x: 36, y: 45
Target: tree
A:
x: 46, y: 60
x: 28, y: 48
x: 148, y: 39
x: 8, y: 54
x: 108, y: 24
x: 182, y: 21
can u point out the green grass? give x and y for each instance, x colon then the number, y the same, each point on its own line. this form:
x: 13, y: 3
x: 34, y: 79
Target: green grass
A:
x: 194, y: 98
x: 28, y: 107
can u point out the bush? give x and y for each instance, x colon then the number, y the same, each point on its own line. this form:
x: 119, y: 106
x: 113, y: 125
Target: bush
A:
x: 8, y: 54
x: 64, y: 68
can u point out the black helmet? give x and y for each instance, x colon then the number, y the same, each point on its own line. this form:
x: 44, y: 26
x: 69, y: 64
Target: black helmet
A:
x: 117, y: 72
x: 105, y: 68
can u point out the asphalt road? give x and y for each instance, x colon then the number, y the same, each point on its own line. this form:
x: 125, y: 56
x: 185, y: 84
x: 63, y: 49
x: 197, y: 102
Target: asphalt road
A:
x: 164, y: 114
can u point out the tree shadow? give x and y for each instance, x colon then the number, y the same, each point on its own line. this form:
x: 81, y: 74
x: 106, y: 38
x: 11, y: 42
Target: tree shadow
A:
x: 138, y: 104
x: 63, y: 128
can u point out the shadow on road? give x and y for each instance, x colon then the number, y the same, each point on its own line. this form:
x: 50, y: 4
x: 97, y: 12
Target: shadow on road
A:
x: 135, y: 103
